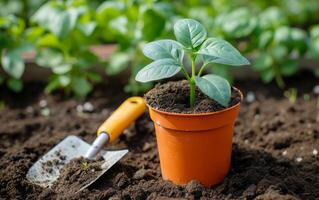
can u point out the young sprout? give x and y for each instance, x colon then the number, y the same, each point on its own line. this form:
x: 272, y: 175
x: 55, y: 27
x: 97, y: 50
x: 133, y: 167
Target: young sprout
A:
x: 168, y: 56
x: 291, y: 94
x: 306, y: 97
x: 85, y: 165
x: 2, y: 105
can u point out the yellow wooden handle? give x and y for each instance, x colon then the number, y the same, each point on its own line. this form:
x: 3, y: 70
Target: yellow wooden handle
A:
x: 122, y: 117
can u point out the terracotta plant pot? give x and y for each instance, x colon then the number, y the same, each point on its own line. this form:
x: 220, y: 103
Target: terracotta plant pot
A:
x: 195, y: 146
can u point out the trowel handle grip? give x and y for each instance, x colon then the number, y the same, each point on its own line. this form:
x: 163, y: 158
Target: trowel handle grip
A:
x: 122, y: 117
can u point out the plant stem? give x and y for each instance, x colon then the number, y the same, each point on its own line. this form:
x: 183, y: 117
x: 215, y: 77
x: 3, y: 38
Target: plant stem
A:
x: 192, y: 85
x: 202, y: 69
x: 186, y: 74
x: 279, y: 80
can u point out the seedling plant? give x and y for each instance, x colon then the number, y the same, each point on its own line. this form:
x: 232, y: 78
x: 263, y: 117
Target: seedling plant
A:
x: 192, y: 41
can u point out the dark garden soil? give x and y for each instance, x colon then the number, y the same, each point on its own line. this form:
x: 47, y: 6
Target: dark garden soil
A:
x: 76, y: 174
x: 275, y: 152
x: 174, y: 97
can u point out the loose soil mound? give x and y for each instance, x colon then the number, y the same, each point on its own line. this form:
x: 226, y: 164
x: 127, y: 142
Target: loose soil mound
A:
x: 76, y: 174
x: 275, y: 154
x: 174, y: 97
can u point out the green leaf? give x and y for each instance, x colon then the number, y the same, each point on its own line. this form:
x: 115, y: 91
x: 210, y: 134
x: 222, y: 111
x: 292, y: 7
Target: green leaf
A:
x: 272, y: 17
x: 279, y: 52
x: 158, y: 70
x: 49, y: 58
x: 238, y: 23
x: 265, y: 39
x: 314, y: 31
x: 62, y: 68
x: 88, y: 28
x: 267, y: 75
x: 282, y: 35
x: 56, y: 82
x: 13, y: 64
x: 94, y: 76
x: 299, y: 40
x: 190, y: 33
x: 289, y: 67
x: 109, y: 10
x: 216, y: 50
x: 215, y: 87
x: 81, y: 86
x: 153, y: 24
x: 12, y: 61
x: 163, y: 49
x: 49, y: 40
x: 15, y: 84
x: 117, y: 63
x: 262, y: 62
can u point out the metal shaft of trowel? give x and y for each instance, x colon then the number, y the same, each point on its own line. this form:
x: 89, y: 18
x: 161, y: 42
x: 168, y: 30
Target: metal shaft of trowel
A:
x: 97, y: 145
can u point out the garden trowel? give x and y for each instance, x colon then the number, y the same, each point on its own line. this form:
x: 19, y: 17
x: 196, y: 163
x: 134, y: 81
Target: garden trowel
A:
x: 47, y: 169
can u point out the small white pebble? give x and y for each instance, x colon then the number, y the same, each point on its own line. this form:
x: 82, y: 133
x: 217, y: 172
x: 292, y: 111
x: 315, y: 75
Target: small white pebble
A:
x: 315, y: 152
x: 284, y: 153
x: 246, y: 141
x: 79, y: 108
x: 250, y: 97
x: 316, y: 89
x: 302, y: 148
x: 299, y: 159
x: 309, y: 125
x: 30, y: 109
x: 43, y: 103
x: 257, y: 116
x: 88, y: 107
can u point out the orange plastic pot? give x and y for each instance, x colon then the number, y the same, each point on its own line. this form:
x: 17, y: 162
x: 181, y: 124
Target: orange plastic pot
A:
x: 195, y: 146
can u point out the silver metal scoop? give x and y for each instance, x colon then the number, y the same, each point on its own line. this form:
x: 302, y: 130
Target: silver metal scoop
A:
x: 47, y: 169
x: 71, y: 147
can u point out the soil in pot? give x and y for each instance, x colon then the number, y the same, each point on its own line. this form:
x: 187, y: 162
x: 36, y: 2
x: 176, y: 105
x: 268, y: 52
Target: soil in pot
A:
x: 76, y: 174
x: 174, y: 97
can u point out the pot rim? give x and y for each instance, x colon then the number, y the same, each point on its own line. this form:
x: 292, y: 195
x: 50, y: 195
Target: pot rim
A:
x: 200, y: 114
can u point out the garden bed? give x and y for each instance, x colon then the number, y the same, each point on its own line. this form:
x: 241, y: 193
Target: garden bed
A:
x: 275, y: 153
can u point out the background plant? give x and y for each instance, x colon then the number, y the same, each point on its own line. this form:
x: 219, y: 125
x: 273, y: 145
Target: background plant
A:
x: 12, y: 46
x: 275, y: 35
x: 192, y: 40
x: 63, y: 34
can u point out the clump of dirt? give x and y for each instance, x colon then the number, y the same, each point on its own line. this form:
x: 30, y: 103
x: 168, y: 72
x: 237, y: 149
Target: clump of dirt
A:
x: 50, y: 164
x: 174, y: 97
x: 76, y: 174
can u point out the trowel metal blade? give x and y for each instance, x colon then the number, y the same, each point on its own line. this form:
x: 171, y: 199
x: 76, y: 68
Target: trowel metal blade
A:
x: 69, y: 148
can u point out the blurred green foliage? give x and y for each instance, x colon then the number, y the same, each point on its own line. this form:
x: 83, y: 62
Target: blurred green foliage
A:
x: 274, y: 34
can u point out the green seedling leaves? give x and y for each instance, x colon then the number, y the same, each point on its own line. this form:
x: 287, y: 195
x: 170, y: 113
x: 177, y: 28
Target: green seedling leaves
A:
x: 190, y: 33
x: 157, y: 70
x: 219, y: 51
x: 168, y: 56
x: 163, y: 49
x: 215, y: 87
